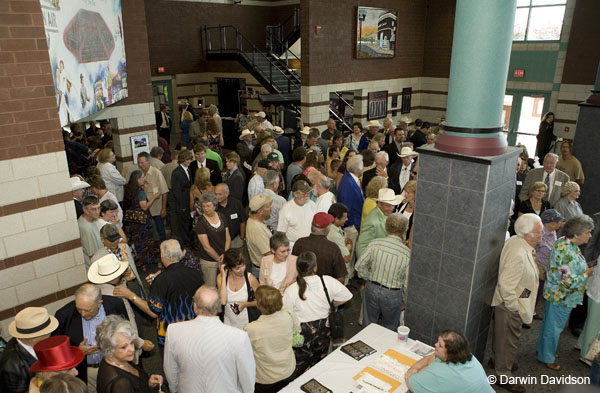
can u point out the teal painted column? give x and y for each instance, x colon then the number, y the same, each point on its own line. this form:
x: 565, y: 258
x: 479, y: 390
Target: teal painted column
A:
x: 483, y: 32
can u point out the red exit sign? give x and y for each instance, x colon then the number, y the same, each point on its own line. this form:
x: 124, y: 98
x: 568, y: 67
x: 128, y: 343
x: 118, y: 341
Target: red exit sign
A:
x: 519, y: 73
x: 161, y: 69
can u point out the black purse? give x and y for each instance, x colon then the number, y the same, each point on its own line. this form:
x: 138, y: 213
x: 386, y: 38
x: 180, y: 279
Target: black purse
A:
x: 253, y: 312
x: 336, y: 318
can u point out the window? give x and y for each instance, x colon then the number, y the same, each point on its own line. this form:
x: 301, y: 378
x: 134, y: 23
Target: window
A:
x: 539, y: 20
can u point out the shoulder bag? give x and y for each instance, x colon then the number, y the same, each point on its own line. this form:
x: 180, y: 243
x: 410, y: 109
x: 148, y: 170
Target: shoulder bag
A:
x: 336, y: 319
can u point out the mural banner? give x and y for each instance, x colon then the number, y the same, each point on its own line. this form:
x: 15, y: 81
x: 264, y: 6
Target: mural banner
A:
x: 87, y: 54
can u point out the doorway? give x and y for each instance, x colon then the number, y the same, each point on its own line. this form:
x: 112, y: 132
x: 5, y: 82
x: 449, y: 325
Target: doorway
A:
x: 522, y: 114
x: 163, y: 95
x: 230, y: 94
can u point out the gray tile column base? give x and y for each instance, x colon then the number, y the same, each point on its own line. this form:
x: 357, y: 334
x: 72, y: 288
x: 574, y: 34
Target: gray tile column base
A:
x: 460, y: 222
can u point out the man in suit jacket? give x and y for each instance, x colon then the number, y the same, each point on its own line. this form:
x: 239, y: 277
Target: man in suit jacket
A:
x: 401, y: 172
x: 549, y: 175
x: 201, y: 162
x: 393, y: 149
x: 31, y: 325
x: 223, y: 353
x: 91, y: 306
x: 350, y: 192
x: 236, y: 181
x: 514, y: 297
x: 179, y: 199
x: 245, y: 146
x: 163, y: 123
x: 381, y: 162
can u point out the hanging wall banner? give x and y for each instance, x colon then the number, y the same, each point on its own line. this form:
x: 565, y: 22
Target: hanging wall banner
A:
x: 87, y: 54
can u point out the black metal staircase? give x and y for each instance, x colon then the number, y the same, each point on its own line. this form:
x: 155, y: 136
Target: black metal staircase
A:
x: 227, y: 42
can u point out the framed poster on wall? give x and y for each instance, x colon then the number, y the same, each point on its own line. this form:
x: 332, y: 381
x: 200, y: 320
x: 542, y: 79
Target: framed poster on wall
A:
x: 375, y: 33
x: 378, y: 102
x: 139, y: 143
x: 406, y: 100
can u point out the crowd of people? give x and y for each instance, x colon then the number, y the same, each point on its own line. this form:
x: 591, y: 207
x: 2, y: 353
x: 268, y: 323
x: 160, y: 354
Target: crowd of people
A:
x: 240, y: 257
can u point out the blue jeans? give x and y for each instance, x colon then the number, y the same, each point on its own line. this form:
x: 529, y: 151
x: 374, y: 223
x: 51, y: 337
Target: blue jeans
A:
x: 381, y: 301
x: 255, y: 270
x: 555, y: 319
x: 159, y: 224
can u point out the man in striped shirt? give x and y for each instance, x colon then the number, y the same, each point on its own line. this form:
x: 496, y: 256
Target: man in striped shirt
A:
x: 384, y: 265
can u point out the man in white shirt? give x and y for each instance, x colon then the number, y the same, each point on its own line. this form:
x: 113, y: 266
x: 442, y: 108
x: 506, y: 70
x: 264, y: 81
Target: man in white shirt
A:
x: 263, y: 122
x: 325, y: 198
x: 295, y: 217
x: 204, y: 355
x: 256, y: 184
x: 158, y: 185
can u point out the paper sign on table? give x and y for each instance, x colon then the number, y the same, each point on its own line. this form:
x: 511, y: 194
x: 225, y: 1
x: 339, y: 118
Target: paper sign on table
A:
x: 383, y: 382
x: 400, y: 357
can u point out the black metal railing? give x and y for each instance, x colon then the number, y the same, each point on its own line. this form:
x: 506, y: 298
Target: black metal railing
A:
x: 228, y: 39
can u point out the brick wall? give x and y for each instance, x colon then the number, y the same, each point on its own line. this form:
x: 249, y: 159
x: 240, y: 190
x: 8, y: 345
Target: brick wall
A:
x: 175, y: 32
x: 136, y: 51
x: 333, y: 55
x: 438, y: 38
x: 40, y: 252
x: 583, y: 52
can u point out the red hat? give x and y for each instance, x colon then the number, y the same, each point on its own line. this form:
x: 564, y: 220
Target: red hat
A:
x: 55, y: 354
x: 322, y: 220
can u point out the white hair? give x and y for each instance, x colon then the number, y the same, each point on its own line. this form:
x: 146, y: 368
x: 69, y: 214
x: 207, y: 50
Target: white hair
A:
x: 525, y: 223
x: 383, y: 154
x: 355, y: 164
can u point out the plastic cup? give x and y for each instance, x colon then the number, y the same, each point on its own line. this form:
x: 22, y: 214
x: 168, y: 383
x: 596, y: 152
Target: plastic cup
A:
x: 403, y: 334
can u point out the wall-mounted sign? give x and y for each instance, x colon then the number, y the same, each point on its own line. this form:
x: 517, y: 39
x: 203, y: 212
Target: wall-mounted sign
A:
x: 139, y: 143
x: 406, y: 100
x: 87, y: 55
x: 519, y: 73
x: 378, y: 102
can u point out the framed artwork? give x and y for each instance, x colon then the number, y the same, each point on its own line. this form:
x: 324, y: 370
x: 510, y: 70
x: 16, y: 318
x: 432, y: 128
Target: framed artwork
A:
x: 378, y: 101
x: 375, y: 33
x: 406, y: 99
x: 139, y: 143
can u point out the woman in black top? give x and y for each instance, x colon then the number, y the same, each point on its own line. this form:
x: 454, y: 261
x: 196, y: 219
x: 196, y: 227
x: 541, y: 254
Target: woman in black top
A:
x: 117, y: 373
x: 535, y: 204
x: 545, y: 136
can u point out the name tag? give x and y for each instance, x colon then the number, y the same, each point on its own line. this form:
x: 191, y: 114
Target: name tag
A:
x: 558, y: 183
x: 233, y: 216
x: 519, y: 183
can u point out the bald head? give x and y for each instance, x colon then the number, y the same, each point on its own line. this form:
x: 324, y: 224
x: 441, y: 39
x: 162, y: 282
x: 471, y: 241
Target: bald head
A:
x: 207, y: 301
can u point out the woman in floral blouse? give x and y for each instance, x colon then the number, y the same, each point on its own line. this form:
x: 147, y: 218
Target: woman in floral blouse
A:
x: 565, y: 285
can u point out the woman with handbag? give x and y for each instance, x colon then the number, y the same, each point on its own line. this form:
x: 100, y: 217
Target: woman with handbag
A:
x: 236, y: 288
x: 308, y: 298
x: 137, y: 221
x: 272, y: 338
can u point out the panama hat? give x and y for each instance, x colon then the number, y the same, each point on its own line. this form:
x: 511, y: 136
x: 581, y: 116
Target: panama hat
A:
x: 374, y: 123
x: 32, y: 322
x: 245, y: 133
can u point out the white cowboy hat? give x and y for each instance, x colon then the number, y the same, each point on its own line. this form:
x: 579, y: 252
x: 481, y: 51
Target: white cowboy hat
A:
x: 374, y: 123
x: 261, y: 114
x: 32, y: 322
x: 406, y: 119
x: 277, y: 130
x: 406, y: 152
x: 305, y: 130
x: 387, y: 195
x: 106, y: 269
x: 246, y: 132
x: 78, y: 184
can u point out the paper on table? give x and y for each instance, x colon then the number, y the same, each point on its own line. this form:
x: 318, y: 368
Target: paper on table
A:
x: 371, y: 380
x: 421, y: 349
x: 400, y: 357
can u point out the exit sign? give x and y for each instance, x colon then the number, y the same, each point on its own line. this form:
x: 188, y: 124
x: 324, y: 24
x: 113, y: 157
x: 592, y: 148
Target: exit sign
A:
x: 519, y: 73
x: 161, y: 69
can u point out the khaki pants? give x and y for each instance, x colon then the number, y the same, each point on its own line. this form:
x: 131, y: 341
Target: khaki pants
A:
x: 92, y: 379
x: 507, y: 331
x: 209, y: 271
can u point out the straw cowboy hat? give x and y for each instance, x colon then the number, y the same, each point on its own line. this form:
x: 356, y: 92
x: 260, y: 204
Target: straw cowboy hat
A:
x: 305, y: 130
x: 406, y: 152
x: 246, y: 132
x: 55, y: 354
x: 106, y: 269
x: 387, y: 195
x: 374, y: 123
x: 32, y: 322
x: 277, y: 130
x: 78, y: 184
x: 406, y: 119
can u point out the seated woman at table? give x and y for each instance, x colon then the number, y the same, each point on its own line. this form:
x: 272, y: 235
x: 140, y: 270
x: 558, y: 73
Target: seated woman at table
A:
x: 271, y: 338
x: 307, y: 300
x: 452, y: 368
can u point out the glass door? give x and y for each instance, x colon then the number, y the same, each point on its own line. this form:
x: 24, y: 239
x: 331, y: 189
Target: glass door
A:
x: 522, y: 114
x: 163, y: 95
